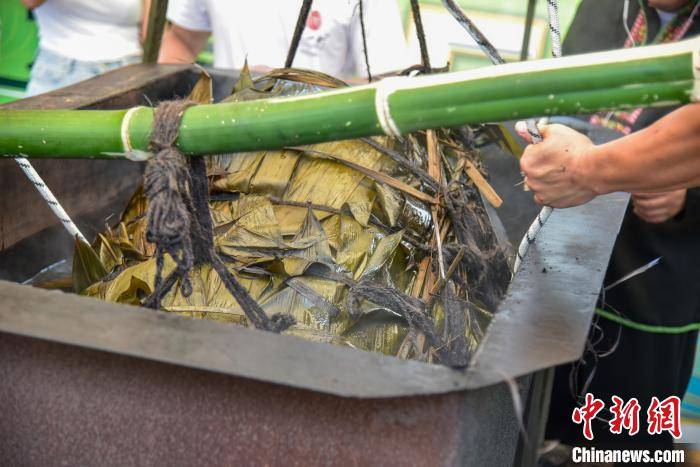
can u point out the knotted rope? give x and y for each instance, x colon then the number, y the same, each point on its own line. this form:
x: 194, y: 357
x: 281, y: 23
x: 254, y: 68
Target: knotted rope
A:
x: 179, y: 220
x: 166, y: 185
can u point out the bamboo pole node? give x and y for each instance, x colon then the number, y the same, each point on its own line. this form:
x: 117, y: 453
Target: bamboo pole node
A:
x: 384, y: 89
x: 695, y: 94
x: 126, y: 138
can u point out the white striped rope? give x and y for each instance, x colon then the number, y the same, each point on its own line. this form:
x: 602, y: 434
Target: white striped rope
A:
x: 543, y: 216
x: 554, y: 30
x: 49, y: 197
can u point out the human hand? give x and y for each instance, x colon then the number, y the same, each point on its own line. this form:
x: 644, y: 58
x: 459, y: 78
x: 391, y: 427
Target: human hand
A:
x: 553, y: 169
x: 656, y: 208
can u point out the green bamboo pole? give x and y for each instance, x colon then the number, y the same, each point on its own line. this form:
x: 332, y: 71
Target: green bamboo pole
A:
x: 648, y: 76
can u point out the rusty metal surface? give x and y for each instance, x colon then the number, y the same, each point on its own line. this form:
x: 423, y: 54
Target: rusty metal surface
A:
x: 212, y: 346
x: 63, y: 405
x: 542, y: 322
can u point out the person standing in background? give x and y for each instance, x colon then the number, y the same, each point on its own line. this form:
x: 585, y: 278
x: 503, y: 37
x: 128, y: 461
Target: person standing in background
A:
x: 79, y: 39
x: 261, y: 32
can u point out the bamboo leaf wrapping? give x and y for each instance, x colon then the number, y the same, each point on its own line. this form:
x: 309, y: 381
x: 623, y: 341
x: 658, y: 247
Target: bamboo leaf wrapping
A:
x: 331, y: 234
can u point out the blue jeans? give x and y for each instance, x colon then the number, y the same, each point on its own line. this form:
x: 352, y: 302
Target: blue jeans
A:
x: 52, y: 71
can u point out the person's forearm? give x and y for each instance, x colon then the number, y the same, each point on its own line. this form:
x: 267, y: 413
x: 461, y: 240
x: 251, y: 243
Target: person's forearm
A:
x: 31, y: 4
x: 662, y: 157
x: 145, y: 12
x: 180, y: 45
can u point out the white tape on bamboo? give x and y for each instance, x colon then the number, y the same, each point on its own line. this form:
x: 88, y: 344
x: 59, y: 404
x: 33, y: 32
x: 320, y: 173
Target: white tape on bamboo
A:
x: 695, y: 95
x: 130, y: 153
x: 384, y: 89
x: 543, y: 216
x: 49, y: 197
x: 126, y: 120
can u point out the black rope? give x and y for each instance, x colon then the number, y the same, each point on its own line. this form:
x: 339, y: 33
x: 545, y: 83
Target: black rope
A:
x: 180, y: 223
x: 298, y: 31
x: 474, y: 32
x: 420, y: 33
x: 411, y: 309
x: 166, y: 185
x: 364, y: 39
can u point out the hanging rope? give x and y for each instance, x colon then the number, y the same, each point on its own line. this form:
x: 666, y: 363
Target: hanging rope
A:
x: 303, y: 17
x: 179, y: 220
x: 420, y: 33
x: 554, y: 30
x: 49, y: 197
x: 298, y: 31
x: 364, y: 39
x: 474, y: 32
x: 496, y: 58
x: 167, y: 187
x: 413, y: 310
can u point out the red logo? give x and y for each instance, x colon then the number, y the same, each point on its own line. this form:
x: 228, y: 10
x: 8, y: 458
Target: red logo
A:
x: 625, y: 416
x: 664, y: 416
x: 314, y: 21
x: 586, y: 413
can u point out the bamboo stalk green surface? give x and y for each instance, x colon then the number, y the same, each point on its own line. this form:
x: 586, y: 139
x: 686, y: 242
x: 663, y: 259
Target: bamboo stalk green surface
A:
x: 645, y: 76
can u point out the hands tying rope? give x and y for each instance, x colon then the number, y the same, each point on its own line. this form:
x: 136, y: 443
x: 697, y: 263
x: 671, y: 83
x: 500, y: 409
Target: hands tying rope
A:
x: 567, y: 169
x: 532, y: 131
x: 552, y: 167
